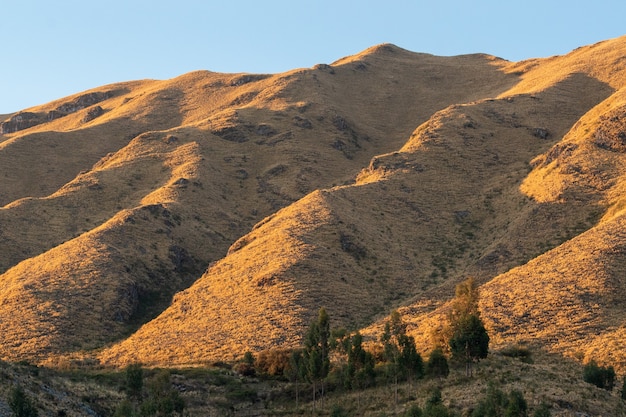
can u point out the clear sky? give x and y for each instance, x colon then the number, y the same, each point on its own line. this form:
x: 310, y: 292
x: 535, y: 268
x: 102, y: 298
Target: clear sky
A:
x: 51, y: 49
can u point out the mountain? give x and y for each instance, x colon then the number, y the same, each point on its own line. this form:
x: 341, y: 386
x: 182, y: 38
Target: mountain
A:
x: 193, y: 219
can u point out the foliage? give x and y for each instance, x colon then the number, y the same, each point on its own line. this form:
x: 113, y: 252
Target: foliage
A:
x: 273, y: 362
x: 624, y: 388
x: 20, y: 403
x: 492, y: 405
x: 161, y: 399
x: 468, y: 338
x: 338, y: 411
x: 316, y: 354
x: 316, y: 347
x: 437, y: 365
x: 413, y: 411
x: 124, y: 409
x: 542, y: 411
x: 496, y: 403
x: 360, y: 363
x: 400, y: 351
x: 601, y: 377
x: 516, y: 406
x: 134, y: 381
x: 470, y: 341
x: 434, y: 406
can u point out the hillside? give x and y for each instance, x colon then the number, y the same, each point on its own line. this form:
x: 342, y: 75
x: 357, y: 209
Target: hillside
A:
x: 189, y: 220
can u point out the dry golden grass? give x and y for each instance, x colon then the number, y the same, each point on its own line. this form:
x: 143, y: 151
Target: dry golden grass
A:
x: 376, y: 182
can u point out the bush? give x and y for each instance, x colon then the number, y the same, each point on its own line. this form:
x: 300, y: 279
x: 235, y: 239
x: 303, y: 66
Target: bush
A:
x: 516, y: 406
x: 273, y: 362
x: 413, y: 411
x: 601, y: 377
x: 21, y: 404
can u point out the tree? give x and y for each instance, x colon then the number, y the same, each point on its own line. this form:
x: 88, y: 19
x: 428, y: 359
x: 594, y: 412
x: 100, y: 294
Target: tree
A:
x: 434, y: 405
x: 437, y: 365
x: 624, y: 388
x: 360, y: 367
x: 400, y: 351
x: 466, y: 300
x: 20, y: 403
x: 316, y: 351
x: 296, y: 370
x: 134, y: 382
x: 492, y: 405
x: 470, y: 341
x: 163, y: 399
x: 516, y: 406
x: 468, y: 338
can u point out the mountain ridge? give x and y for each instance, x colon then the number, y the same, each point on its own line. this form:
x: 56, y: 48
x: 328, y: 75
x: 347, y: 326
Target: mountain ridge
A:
x: 199, y: 217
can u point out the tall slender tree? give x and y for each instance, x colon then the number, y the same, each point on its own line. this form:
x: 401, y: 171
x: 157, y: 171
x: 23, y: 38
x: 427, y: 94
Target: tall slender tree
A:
x: 468, y: 338
x: 316, y: 352
x: 400, y: 351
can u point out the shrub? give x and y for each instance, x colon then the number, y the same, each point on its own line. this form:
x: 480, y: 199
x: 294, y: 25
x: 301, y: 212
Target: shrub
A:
x: 601, y: 377
x: 413, y: 411
x: 20, y: 403
x: 273, y: 362
x: 516, y: 406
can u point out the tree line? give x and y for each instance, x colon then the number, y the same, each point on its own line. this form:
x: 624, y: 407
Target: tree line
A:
x: 336, y: 359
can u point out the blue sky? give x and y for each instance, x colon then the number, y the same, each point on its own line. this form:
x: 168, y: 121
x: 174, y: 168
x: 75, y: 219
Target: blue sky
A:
x: 54, y: 49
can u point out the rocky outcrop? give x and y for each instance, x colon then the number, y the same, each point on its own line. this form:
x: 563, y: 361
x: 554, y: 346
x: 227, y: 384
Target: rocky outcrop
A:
x: 20, y: 121
x: 25, y: 120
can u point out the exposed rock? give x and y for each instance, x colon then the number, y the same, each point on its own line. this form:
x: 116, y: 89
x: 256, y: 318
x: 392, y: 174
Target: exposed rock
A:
x: 92, y: 113
x: 541, y: 133
x: 21, y: 121
x: 302, y: 122
x: 83, y: 101
x: 25, y: 120
x: 324, y: 67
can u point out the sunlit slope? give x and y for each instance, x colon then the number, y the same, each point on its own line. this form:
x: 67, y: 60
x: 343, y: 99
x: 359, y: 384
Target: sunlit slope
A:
x: 131, y: 202
x: 452, y: 201
x: 569, y: 300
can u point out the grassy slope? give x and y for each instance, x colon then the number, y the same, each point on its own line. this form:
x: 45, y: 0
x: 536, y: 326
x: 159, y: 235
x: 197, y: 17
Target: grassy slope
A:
x: 457, y: 201
x: 175, y: 171
x: 182, y: 169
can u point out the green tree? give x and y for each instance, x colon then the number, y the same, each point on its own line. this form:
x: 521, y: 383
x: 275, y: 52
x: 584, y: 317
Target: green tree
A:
x: 163, y: 399
x: 296, y: 371
x: 624, y: 388
x: 437, y: 365
x: 469, y: 341
x: 134, y: 382
x: 20, y: 403
x: 467, y: 337
x: 492, y: 405
x: 434, y: 405
x: 316, y: 351
x: 124, y: 409
x: 517, y: 406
